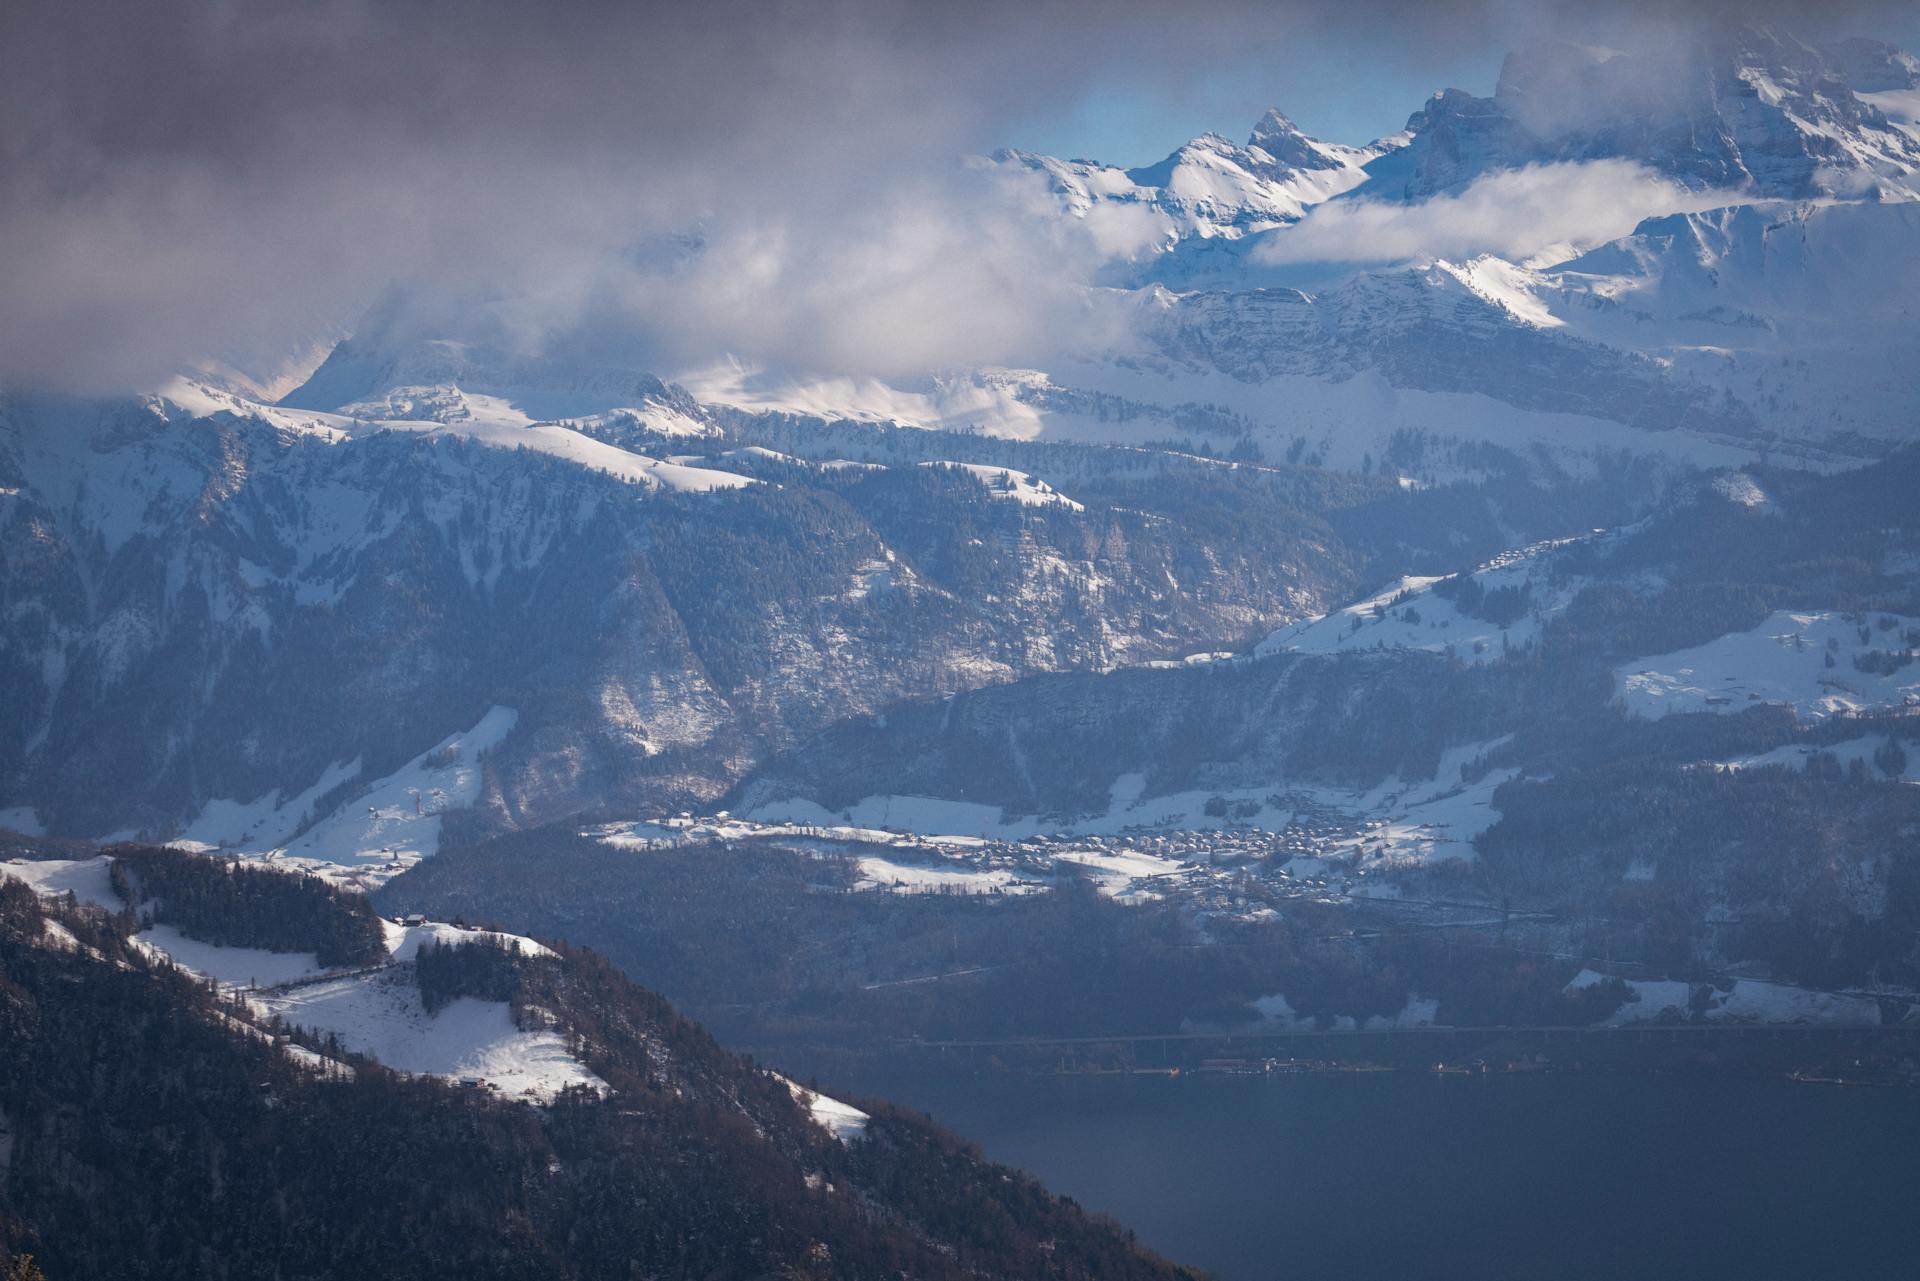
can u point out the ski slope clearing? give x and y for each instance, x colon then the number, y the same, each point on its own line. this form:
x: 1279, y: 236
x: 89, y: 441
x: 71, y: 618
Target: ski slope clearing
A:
x: 378, y: 1014
x: 1013, y: 486
x: 89, y: 880
x: 381, y: 1016
x: 392, y: 824
x: 358, y: 878
x: 265, y: 822
x: 230, y: 967
x: 398, y: 818
x: 913, y: 878
x: 1807, y: 661
x: 842, y: 1120
x: 86, y: 879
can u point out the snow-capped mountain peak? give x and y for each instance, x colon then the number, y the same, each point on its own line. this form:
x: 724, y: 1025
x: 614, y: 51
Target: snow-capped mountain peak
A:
x: 1288, y: 147
x: 1212, y: 188
x: 1750, y: 110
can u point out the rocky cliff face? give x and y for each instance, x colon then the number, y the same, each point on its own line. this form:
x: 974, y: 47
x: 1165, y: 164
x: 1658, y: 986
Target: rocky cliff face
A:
x: 213, y: 607
x: 210, y: 598
x: 1751, y: 110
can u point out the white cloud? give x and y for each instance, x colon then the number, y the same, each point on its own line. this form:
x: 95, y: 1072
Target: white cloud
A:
x: 1547, y: 211
x: 937, y: 270
x: 187, y: 181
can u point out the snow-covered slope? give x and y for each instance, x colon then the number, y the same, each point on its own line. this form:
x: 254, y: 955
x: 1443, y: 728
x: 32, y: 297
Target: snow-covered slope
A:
x: 601, y: 420
x: 376, y: 1012
x: 842, y: 1120
x: 1765, y: 302
x: 296, y: 605
x: 231, y: 967
x: 383, y: 827
x: 381, y: 1015
x: 1745, y: 108
x: 405, y: 941
x: 1478, y: 617
x: 1741, y: 1001
x: 1711, y: 336
x: 292, y: 599
x: 1819, y: 663
x: 403, y: 810
x: 1012, y: 485
x: 86, y: 879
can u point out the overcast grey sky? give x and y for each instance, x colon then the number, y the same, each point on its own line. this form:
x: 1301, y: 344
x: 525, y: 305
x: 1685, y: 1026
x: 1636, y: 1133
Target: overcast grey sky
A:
x: 1339, y: 81
x: 201, y: 178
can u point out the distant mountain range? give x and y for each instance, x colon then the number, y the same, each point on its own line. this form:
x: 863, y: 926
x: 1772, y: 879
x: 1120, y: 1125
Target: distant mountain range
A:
x: 1768, y: 303
x: 220, y: 607
x: 1467, y: 580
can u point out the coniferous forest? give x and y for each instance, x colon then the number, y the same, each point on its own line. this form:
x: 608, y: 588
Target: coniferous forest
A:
x: 189, y: 1147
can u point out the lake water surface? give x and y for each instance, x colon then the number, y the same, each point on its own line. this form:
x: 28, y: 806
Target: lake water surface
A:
x: 1409, y: 1175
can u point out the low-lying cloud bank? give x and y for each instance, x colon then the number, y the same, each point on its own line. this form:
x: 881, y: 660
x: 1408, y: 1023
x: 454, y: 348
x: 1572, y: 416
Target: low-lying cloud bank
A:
x: 1540, y: 212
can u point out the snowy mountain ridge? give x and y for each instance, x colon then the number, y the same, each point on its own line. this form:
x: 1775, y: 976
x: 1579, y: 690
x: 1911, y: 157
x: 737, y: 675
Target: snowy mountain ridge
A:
x: 1756, y: 112
x: 1752, y: 109
x: 450, y: 524
x: 1750, y: 288
x: 1212, y: 187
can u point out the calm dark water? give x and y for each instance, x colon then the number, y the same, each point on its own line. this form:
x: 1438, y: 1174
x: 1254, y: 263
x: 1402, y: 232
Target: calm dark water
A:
x: 1412, y: 1176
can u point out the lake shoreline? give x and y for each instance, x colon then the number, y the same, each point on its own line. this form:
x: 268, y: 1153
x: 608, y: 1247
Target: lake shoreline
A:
x: 1801, y: 1054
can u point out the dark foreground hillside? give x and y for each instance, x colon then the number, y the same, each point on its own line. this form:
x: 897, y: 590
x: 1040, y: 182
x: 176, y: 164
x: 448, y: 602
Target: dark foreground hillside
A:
x: 145, y: 1133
